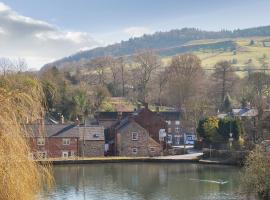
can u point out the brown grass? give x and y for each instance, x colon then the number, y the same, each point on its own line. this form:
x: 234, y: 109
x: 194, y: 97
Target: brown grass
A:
x: 21, y: 178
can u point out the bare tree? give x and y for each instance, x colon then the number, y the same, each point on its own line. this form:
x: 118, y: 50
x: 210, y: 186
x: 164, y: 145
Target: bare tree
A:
x: 20, y: 64
x: 185, y: 79
x: 223, y: 77
x: 100, y: 64
x: 6, y: 65
x: 147, y: 63
x: 162, y: 79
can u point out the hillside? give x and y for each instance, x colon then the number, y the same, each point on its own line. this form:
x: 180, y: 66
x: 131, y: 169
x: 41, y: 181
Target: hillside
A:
x: 208, y: 45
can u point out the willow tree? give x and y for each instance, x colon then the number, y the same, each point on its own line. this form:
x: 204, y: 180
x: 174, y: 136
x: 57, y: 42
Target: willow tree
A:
x: 21, y: 99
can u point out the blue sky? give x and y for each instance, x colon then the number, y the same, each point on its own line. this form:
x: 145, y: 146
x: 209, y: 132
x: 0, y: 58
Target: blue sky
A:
x: 67, y: 26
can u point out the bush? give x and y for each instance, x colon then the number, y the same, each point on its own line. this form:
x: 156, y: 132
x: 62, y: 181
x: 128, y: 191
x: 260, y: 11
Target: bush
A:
x: 257, y: 172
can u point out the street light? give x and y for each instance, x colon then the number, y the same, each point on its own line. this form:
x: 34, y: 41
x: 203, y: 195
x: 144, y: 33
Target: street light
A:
x: 231, y: 140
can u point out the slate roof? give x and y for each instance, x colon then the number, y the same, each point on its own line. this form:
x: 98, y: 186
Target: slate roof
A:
x: 59, y: 130
x: 52, y: 130
x: 173, y: 115
x: 245, y: 112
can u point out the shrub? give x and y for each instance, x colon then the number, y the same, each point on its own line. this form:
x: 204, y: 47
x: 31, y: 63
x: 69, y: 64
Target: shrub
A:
x: 257, y: 172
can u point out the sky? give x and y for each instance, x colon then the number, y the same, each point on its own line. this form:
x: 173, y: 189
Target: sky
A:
x: 41, y: 31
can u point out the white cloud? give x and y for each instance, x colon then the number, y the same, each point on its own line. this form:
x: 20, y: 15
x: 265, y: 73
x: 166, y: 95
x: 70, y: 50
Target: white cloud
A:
x: 2, y: 31
x: 136, y: 31
x: 38, y: 41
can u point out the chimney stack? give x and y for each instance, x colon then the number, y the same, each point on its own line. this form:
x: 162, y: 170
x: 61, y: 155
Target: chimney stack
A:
x: 77, y: 122
x: 62, y: 119
x: 146, y: 105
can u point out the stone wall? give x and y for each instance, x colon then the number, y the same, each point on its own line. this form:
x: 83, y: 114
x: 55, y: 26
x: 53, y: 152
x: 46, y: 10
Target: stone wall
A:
x: 92, y: 148
x: 144, y: 145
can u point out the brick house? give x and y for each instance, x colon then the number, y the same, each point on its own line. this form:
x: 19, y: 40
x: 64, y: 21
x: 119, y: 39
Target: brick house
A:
x: 52, y: 141
x: 134, y: 140
x: 175, y: 131
x: 65, y: 140
x: 151, y: 121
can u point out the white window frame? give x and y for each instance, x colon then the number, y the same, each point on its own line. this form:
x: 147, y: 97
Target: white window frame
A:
x: 42, y: 154
x: 177, y: 129
x: 66, y: 141
x: 177, y: 122
x: 65, y: 154
x: 41, y: 141
x: 168, y: 122
x: 136, y: 150
x: 135, y: 136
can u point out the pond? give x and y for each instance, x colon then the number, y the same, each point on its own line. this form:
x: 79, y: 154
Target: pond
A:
x: 145, y: 181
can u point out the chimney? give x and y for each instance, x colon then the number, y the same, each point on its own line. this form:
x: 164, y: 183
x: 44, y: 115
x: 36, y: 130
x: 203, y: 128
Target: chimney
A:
x: 119, y: 115
x: 62, y: 119
x: 145, y: 105
x: 77, y: 122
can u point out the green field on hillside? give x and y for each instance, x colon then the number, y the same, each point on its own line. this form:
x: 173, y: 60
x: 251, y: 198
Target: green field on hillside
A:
x: 244, y: 55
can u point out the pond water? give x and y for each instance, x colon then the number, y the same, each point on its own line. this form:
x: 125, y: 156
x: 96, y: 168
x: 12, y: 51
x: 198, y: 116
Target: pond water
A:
x: 146, y: 181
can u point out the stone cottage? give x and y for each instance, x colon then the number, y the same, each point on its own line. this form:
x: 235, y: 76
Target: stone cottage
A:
x: 91, y: 140
x: 134, y: 140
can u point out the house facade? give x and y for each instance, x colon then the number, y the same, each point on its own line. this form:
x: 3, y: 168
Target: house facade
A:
x: 65, y: 140
x: 134, y: 140
x: 53, y: 141
x: 150, y: 121
x: 91, y: 141
x: 175, y: 130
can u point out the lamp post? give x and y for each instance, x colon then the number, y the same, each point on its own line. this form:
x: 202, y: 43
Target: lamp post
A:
x: 231, y: 140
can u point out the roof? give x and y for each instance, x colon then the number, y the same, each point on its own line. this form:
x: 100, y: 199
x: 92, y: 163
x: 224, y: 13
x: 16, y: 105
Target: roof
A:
x: 245, y: 112
x: 52, y: 130
x: 170, y: 115
x: 60, y: 130
x: 111, y: 115
x: 123, y: 123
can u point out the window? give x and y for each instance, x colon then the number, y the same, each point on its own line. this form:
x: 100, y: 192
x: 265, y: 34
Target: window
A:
x: 169, y: 130
x: 135, y: 136
x: 177, y: 129
x: 41, y: 154
x: 41, y: 141
x: 72, y: 153
x: 152, y: 149
x: 177, y: 122
x: 64, y: 154
x: 168, y: 122
x: 134, y: 150
x: 66, y: 141
x: 169, y: 139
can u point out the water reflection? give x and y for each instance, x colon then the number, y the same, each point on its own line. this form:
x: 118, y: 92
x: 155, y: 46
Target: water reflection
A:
x: 147, y: 181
